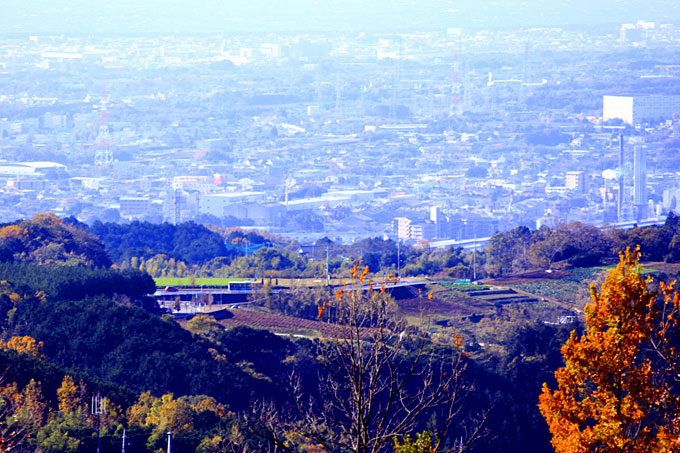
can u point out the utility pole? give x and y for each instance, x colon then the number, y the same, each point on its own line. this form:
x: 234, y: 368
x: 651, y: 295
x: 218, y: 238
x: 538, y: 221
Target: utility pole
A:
x: 474, y: 254
x: 474, y: 262
x: 124, y: 440
x: 398, y: 263
x: 328, y: 277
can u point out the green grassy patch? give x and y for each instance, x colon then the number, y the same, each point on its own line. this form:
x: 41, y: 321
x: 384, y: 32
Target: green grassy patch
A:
x: 463, y: 286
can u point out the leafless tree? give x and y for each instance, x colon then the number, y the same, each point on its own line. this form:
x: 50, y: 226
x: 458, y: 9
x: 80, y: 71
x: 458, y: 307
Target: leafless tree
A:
x: 379, y: 378
x: 21, y: 412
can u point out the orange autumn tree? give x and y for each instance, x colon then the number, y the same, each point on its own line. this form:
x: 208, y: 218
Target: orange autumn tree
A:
x: 24, y: 345
x: 612, y: 394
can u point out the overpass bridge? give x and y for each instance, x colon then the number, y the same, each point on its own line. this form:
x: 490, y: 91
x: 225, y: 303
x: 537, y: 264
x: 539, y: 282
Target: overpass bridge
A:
x: 480, y: 243
x: 201, y: 297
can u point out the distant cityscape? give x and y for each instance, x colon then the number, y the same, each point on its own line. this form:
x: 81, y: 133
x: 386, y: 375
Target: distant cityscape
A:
x: 445, y: 135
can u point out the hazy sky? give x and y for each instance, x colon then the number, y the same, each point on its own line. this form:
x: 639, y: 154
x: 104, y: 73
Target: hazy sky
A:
x: 220, y: 16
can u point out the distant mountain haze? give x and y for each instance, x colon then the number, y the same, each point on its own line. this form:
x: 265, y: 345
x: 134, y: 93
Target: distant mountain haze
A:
x: 78, y: 17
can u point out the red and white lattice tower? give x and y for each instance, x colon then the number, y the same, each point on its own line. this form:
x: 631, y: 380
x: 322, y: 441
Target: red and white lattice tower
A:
x: 104, y: 156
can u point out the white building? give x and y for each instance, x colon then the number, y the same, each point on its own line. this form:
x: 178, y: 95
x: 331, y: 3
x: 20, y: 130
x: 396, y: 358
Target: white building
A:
x: 134, y: 206
x: 408, y: 230
x: 636, y: 32
x: 28, y: 168
x: 575, y: 180
x: 403, y: 227
x: 216, y: 203
x: 636, y: 109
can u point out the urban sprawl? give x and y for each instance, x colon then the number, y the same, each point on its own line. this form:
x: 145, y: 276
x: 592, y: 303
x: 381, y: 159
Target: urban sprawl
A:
x: 445, y: 136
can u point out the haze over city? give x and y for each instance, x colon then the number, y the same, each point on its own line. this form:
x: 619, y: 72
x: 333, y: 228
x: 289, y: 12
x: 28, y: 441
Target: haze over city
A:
x: 436, y: 121
x: 304, y: 16
x: 339, y: 226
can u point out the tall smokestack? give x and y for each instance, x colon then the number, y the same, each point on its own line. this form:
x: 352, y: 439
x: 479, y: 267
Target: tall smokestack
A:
x: 619, y: 207
x: 639, y: 183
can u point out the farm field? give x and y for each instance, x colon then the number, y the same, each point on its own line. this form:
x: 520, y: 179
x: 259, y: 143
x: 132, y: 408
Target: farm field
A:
x: 278, y: 323
x: 570, y: 288
x: 476, y: 311
x: 481, y: 314
x: 566, y: 288
x: 467, y: 304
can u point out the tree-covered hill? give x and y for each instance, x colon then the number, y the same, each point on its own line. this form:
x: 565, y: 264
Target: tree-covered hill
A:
x: 187, y: 242
x: 83, y: 329
x: 65, y: 282
x: 46, y: 239
x: 130, y: 347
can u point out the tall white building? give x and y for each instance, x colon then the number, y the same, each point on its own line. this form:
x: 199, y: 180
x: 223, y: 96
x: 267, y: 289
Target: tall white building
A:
x: 403, y: 227
x: 639, y: 182
x: 636, y: 109
x: 408, y: 230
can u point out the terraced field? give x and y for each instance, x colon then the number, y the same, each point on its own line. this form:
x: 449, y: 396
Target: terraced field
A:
x: 279, y: 323
x: 571, y: 290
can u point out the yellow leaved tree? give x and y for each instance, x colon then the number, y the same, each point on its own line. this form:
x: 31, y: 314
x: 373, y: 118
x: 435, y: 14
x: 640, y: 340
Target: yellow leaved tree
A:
x: 24, y: 345
x: 614, y: 392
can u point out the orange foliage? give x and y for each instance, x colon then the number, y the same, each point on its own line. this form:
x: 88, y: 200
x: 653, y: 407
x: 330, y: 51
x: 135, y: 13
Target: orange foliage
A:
x: 364, y: 273
x: 70, y: 395
x: 609, y: 398
x: 47, y: 219
x: 353, y: 273
x: 24, y: 345
x: 27, y: 407
x: 207, y: 403
x: 12, y: 231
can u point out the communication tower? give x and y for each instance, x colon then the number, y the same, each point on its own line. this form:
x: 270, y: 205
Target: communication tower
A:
x: 104, y: 156
x: 456, y: 102
x: 98, y: 408
x: 396, y: 81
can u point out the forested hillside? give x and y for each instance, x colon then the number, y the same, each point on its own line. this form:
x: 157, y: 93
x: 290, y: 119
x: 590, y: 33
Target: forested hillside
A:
x: 73, y: 327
